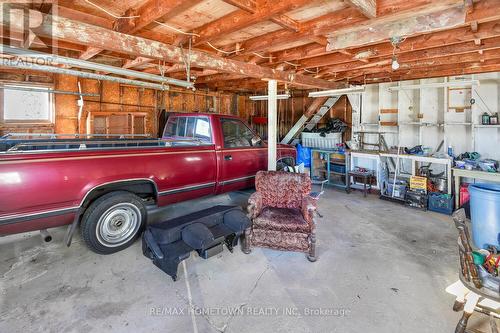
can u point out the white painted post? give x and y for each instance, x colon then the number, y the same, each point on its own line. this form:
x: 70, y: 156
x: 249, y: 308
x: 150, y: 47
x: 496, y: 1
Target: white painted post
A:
x: 272, y: 124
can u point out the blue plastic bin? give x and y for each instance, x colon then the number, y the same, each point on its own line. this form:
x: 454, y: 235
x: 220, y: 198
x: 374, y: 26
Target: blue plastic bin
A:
x: 337, y: 168
x: 440, y: 203
x: 485, y: 214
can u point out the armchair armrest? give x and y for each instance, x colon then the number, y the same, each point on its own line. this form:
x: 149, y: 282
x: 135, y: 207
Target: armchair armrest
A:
x: 254, y: 205
x: 309, y: 207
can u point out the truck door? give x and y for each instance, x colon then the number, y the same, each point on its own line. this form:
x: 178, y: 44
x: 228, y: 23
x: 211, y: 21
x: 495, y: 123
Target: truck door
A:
x: 240, y: 158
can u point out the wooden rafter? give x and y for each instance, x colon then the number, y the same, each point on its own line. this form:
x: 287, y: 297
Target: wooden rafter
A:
x: 314, y: 56
x: 383, y: 29
x: 241, y: 19
x: 145, y: 15
x: 77, y: 32
x: 367, y: 7
x: 246, y: 5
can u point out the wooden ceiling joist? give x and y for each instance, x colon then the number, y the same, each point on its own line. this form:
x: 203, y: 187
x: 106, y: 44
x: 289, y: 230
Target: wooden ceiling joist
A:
x: 411, y: 44
x: 367, y: 7
x: 247, y: 5
x: 145, y: 15
x: 241, y: 19
x: 62, y: 28
x: 408, y: 26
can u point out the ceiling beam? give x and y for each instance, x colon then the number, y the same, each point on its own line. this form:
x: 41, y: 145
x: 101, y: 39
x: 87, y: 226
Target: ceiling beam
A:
x: 246, y: 5
x: 250, y: 6
x: 90, y: 52
x: 428, y: 72
x: 62, y: 28
x: 419, y: 59
x: 380, y: 30
x: 142, y: 17
x: 151, y: 11
x: 139, y: 61
x: 367, y: 7
x: 411, y: 44
x: 241, y: 19
x: 286, y: 22
x: 343, y: 19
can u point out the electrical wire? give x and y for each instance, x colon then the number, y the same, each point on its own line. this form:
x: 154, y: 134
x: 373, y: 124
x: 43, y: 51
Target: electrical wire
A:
x: 175, y: 29
x: 308, y: 71
x: 110, y: 13
x: 222, y: 51
x: 261, y: 56
x: 291, y: 64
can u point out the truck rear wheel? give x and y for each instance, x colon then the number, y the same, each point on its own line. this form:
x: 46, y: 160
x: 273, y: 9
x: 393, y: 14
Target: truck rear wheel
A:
x: 113, y: 222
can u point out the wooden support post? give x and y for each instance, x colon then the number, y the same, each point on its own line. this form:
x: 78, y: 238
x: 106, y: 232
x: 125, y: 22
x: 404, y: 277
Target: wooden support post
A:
x: 272, y: 119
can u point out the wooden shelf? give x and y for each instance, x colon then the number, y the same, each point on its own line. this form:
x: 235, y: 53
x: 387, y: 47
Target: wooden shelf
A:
x: 388, y: 123
x: 385, y: 111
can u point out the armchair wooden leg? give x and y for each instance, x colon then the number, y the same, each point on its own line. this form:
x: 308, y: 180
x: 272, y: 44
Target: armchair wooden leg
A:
x: 246, y: 242
x: 311, y: 256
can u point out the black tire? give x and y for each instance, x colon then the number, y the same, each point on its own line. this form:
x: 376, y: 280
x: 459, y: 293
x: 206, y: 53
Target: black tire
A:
x: 113, y: 222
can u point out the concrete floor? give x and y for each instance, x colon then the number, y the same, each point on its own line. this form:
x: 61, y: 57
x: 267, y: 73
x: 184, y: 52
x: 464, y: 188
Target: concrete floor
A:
x: 382, y: 268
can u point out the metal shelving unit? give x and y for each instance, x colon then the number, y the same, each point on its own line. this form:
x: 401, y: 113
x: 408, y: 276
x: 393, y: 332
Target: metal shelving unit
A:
x: 321, y: 167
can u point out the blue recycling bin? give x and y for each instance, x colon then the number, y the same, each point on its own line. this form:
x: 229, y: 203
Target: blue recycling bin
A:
x: 485, y: 214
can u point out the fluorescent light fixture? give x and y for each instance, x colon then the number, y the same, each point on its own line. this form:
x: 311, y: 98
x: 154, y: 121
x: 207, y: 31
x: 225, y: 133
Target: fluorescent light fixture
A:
x: 337, y: 92
x: 463, y: 83
x: 266, y: 97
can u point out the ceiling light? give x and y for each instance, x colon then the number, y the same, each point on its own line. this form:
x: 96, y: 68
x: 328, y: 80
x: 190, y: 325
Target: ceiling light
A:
x: 337, y: 92
x: 395, y: 63
x: 266, y: 97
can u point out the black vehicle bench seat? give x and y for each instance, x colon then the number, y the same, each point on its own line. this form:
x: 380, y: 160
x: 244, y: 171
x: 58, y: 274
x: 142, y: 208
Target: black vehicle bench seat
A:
x: 206, y: 231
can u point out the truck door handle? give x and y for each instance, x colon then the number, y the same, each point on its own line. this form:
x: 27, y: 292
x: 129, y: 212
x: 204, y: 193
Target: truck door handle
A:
x: 228, y: 157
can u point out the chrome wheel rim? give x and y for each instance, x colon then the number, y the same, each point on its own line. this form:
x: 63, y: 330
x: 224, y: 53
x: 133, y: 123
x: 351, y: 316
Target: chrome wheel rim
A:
x: 118, y: 224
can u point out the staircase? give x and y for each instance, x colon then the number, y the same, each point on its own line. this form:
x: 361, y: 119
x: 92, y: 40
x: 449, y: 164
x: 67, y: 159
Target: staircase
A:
x: 316, y: 111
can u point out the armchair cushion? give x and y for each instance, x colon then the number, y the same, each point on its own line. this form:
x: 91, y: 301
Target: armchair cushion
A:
x: 282, y: 189
x: 281, y: 219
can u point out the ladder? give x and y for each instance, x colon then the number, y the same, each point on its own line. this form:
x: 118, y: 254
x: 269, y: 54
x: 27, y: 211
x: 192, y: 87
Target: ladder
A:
x: 330, y: 102
x: 309, y: 125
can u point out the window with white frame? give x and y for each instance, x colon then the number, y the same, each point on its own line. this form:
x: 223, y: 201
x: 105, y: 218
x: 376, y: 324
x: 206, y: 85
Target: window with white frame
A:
x: 27, y: 104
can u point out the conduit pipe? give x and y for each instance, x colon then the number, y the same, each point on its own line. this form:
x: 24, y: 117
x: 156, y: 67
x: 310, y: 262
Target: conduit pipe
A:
x: 79, y: 63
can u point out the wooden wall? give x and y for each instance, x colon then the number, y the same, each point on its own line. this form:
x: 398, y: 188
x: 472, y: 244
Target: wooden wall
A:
x: 116, y: 98
x: 290, y: 111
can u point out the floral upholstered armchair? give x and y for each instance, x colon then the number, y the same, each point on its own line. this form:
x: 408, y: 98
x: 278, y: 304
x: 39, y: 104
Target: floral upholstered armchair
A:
x: 282, y: 213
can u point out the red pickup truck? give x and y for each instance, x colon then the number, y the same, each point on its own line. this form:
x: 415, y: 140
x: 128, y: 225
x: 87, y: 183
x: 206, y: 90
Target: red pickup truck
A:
x: 104, y: 185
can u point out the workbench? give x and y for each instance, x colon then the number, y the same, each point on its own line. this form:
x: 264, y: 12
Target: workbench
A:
x: 424, y: 159
x: 475, y: 174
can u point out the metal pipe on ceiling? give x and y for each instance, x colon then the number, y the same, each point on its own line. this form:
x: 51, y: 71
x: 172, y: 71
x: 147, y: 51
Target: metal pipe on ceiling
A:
x: 86, y: 75
x: 50, y: 91
x: 52, y: 58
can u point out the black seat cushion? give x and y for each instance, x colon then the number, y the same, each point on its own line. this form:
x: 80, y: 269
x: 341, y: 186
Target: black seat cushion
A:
x: 197, y: 235
x: 236, y: 220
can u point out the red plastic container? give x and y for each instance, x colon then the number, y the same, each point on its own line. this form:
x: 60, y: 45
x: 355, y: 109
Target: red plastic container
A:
x: 464, y: 194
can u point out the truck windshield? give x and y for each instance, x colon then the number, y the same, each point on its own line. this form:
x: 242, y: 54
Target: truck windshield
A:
x: 181, y: 127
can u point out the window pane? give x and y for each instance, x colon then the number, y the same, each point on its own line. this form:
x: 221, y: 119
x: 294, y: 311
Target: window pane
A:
x: 236, y: 134
x: 181, y: 126
x: 171, y: 127
x: 190, y: 127
x: 26, y: 105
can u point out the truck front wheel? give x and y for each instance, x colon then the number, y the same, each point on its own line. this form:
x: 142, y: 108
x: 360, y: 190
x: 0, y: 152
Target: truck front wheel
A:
x: 113, y: 222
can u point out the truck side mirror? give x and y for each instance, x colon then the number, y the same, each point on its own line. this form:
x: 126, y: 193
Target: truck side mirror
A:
x: 256, y: 140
